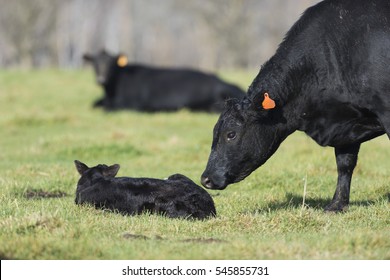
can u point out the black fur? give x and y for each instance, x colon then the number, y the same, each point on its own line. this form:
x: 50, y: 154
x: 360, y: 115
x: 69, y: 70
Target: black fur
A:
x: 330, y: 78
x: 149, y: 89
x: 176, y: 197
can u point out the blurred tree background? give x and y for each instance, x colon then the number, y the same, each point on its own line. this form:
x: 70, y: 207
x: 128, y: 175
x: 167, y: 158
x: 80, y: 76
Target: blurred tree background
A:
x: 204, y: 34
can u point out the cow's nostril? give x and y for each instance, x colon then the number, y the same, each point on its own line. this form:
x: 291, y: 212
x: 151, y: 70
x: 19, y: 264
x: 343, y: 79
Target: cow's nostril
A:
x: 206, y: 182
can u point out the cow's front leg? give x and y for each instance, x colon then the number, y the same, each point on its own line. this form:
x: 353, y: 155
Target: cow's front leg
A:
x: 346, y: 158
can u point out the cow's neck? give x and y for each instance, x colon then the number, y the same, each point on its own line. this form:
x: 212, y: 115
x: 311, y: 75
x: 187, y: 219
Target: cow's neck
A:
x: 287, y: 78
x: 110, y: 87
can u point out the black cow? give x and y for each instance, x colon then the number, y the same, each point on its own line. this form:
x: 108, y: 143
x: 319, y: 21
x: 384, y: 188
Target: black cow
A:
x: 143, y: 88
x: 176, y: 197
x: 330, y: 78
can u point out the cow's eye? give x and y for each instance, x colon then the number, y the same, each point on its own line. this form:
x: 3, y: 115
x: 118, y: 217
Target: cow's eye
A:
x: 231, y: 135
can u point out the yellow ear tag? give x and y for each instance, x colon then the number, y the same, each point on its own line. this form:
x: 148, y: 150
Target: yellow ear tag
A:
x: 268, y: 103
x: 122, y: 61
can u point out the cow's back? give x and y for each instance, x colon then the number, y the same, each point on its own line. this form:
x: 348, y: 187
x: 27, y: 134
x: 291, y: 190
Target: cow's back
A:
x: 153, y: 89
x: 337, y: 50
x: 348, y: 43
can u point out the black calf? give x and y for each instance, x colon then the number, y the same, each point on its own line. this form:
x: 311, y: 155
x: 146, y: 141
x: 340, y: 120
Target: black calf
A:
x: 176, y: 197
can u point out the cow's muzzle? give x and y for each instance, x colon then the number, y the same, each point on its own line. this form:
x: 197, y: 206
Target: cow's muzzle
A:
x: 209, y: 184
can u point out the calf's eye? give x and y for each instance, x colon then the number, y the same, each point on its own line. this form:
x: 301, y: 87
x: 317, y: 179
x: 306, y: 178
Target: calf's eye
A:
x: 231, y: 135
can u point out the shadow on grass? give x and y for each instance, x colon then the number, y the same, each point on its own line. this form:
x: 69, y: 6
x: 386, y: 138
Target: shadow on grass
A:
x: 293, y: 201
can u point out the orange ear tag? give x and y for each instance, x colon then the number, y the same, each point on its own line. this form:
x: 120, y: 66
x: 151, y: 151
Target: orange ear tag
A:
x: 268, y: 103
x: 122, y: 61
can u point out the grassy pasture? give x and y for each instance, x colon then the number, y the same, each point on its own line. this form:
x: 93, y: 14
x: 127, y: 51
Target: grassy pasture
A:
x: 46, y: 121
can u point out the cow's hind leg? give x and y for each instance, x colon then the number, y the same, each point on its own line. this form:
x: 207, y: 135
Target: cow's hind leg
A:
x: 382, y: 112
x: 346, y: 159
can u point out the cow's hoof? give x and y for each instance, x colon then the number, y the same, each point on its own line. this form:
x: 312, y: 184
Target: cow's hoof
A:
x: 336, y: 208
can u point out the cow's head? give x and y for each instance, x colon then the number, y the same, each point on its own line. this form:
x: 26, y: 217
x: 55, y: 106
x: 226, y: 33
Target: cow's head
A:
x: 245, y: 136
x: 105, y: 65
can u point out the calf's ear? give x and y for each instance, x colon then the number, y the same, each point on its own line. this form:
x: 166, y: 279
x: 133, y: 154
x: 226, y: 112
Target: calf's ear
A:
x: 81, y: 167
x: 111, y: 171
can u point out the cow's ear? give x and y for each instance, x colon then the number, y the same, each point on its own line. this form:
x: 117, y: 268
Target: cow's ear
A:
x: 230, y: 102
x: 111, y: 171
x: 81, y: 167
x: 122, y: 60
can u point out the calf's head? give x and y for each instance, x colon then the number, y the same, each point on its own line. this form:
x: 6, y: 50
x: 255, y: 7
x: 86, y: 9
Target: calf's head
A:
x: 245, y: 136
x: 105, y: 65
x: 98, y: 171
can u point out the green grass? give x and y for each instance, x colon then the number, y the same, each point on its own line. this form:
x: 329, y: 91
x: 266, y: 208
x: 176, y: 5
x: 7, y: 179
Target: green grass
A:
x: 46, y: 122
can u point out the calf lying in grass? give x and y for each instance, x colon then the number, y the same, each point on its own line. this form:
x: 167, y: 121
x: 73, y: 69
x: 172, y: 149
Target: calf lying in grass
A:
x: 176, y: 197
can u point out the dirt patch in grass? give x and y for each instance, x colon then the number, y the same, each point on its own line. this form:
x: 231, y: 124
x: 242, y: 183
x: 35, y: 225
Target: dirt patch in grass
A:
x: 189, y: 240
x: 35, y: 224
x: 4, y: 256
x: 140, y: 236
x: 38, y: 194
x: 204, y: 240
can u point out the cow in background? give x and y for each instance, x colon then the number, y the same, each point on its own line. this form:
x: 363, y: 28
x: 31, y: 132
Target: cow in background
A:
x: 144, y: 88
